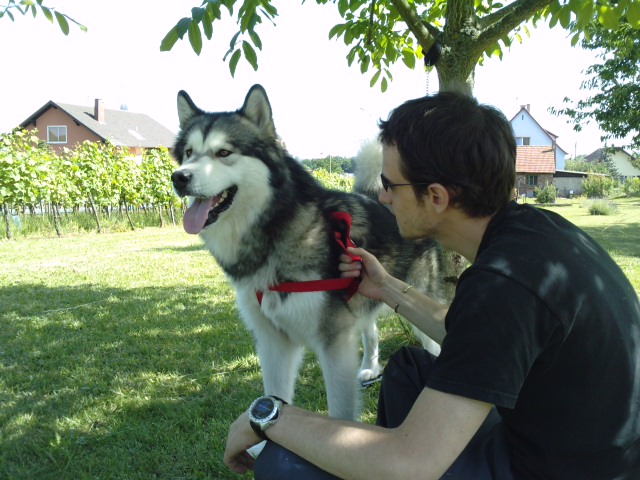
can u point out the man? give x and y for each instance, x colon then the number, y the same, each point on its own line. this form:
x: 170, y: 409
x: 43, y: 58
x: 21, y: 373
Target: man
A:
x: 539, y: 374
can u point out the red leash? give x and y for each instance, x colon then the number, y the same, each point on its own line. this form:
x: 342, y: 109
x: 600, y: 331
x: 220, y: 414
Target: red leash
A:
x: 341, y: 232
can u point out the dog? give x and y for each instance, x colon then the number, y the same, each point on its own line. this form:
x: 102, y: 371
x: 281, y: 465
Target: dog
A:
x: 268, y: 222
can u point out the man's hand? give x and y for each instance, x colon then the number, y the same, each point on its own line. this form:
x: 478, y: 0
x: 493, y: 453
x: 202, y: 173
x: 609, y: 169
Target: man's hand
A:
x: 241, y: 437
x: 372, y: 272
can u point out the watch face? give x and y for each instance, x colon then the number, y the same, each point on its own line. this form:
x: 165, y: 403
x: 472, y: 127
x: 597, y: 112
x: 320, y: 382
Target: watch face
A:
x: 263, y: 409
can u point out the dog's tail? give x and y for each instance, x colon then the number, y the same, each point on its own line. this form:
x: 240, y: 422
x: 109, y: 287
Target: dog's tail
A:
x: 367, y: 168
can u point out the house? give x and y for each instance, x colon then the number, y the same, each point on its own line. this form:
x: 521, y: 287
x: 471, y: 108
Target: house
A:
x: 529, y: 132
x: 63, y: 125
x: 620, y: 161
x: 535, y: 168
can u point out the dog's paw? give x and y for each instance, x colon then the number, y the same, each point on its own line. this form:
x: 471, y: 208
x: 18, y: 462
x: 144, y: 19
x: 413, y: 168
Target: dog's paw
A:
x: 369, y: 375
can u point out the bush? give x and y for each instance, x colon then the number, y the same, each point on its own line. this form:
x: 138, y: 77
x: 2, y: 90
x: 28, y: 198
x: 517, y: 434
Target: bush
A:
x: 334, y: 181
x: 632, y: 187
x: 547, y: 194
x: 602, y: 207
x: 597, y: 186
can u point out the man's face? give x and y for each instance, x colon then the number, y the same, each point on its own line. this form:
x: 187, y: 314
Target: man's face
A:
x: 415, y: 218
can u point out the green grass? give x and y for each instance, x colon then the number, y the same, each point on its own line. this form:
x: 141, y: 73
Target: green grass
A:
x: 618, y: 233
x: 122, y: 356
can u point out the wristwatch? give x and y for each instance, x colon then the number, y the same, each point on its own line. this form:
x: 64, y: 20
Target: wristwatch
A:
x: 264, y: 413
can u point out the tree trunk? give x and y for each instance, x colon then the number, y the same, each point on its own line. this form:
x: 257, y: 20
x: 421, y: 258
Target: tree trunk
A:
x: 126, y: 209
x: 95, y: 214
x: 161, y: 217
x: 173, y: 215
x: 56, y: 219
x: 7, y: 221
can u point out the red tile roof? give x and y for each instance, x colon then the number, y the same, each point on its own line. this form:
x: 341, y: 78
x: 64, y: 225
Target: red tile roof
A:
x: 535, y: 160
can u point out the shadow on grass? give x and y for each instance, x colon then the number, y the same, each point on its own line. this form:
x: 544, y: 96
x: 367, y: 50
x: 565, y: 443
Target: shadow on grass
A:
x: 134, y: 383
x: 120, y: 383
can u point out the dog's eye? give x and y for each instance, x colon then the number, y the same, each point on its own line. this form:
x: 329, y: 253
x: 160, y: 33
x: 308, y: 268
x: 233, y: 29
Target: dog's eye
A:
x: 223, y: 153
x: 188, y: 152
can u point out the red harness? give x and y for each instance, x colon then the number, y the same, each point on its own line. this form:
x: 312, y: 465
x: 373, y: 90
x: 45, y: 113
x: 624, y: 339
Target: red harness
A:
x: 341, y: 231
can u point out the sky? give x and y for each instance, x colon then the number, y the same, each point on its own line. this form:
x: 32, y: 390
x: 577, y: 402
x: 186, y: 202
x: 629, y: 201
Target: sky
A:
x: 321, y: 106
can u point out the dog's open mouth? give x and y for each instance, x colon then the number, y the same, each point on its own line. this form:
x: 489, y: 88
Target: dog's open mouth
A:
x: 205, y: 211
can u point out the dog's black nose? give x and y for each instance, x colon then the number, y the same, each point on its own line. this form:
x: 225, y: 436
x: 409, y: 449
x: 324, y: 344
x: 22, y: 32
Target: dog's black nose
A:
x: 181, y: 178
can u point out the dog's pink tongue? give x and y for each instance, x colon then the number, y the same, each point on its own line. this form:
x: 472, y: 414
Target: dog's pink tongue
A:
x: 196, y: 215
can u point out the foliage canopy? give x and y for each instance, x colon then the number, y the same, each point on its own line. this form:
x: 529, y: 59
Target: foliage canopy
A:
x: 616, y: 105
x: 453, y: 35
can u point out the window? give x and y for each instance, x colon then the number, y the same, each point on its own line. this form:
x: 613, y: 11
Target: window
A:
x: 523, y: 140
x: 57, y: 134
x: 532, y: 180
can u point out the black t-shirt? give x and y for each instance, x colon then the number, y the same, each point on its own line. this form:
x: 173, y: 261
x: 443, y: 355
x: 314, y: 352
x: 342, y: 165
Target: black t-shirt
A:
x: 545, y: 326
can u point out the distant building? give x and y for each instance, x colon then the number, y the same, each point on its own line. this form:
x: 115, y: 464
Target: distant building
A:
x: 620, y: 160
x: 529, y: 132
x: 63, y: 125
x: 535, y: 167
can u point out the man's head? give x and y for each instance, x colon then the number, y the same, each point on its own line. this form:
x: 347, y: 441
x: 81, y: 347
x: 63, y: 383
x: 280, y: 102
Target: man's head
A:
x: 450, y: 139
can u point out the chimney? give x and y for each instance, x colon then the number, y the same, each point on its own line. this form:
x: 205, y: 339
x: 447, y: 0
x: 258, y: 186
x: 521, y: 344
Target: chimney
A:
x: 98, y: 111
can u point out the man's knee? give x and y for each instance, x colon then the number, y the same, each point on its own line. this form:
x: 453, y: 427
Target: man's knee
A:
x: 277, y: 463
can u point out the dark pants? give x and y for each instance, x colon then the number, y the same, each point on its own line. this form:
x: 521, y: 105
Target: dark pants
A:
x: 486, y: 457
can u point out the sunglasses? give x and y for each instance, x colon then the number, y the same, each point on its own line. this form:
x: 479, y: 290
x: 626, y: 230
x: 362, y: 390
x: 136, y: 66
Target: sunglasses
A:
x: 386, y: 184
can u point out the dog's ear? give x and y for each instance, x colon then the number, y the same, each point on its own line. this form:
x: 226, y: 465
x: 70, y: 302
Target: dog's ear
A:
x: 258, y: 109
x: 186, y: 108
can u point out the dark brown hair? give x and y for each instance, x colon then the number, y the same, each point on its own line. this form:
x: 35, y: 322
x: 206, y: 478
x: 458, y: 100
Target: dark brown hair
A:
x: 451, y: 139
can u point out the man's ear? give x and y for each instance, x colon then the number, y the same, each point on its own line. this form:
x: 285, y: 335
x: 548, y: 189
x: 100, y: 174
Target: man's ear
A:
x: 439, y: 196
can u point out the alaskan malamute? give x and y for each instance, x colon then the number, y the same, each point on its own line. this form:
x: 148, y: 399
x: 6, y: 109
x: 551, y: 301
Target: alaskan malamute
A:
x: 268, y: 222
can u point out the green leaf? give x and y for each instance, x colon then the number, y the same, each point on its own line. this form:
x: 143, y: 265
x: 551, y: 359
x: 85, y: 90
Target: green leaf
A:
x: 250, y: 54
x: 337, y: 30
x: 343, y: 6
x: 197, y: 14
x: 174, y: 34
x: 374, y: 79
x: 364, y: 64
x: 255, y: 38
x: 195, y: 37
x: 409, y: 58
x: 633, y: 14
x: 47, y: 13
x: 207, y: 27
x: 62, y: 21
x: 608, y: 17
x: 575, y: 39
x: 233, y: 63
x: 565, y: 17
x: 234, y: 39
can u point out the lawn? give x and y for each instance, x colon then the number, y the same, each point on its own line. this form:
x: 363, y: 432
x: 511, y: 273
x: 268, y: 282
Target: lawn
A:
x: 121, y: 356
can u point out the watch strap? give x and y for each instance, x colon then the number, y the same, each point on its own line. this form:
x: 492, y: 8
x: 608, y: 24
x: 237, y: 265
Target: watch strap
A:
x: 257, y: 427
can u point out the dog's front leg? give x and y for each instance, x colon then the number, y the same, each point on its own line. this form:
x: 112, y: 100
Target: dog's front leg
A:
x: 370, y: 368
x: 279, y: 357
x: 339, y: 362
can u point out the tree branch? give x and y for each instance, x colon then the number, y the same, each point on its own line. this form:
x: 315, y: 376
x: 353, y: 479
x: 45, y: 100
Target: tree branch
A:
x: 497, y: 24
x: 425, y: 34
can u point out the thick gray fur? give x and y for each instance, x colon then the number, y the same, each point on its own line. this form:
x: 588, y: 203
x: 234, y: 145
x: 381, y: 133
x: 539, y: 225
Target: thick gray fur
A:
x: 278, y: 229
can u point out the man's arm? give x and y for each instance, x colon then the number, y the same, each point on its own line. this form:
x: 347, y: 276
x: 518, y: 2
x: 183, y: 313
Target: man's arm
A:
x: 423, y: 311
x: 436, y: 430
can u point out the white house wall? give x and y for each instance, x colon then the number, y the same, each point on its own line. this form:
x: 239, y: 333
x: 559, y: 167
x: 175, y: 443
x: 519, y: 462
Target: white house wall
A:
x: 622, y: 164
x: 524, y: 125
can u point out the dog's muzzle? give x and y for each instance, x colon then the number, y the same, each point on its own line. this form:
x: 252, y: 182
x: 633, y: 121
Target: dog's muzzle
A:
x: 181, y: 180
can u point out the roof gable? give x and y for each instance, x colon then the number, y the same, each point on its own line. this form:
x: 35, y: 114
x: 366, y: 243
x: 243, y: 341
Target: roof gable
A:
x: 535, y: 160
x: 122, y: 128
x: 552, y: 136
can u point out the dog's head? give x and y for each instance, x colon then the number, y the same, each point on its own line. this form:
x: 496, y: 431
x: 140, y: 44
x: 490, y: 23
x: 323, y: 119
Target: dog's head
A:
x: 223, y: 158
